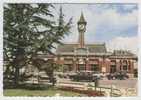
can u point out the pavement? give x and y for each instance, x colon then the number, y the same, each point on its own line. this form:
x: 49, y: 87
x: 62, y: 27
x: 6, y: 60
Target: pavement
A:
x: 128, y: 83
x: 127, y: 87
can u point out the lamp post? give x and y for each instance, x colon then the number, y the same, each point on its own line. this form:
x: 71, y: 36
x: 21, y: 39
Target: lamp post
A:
x: 96, y: 83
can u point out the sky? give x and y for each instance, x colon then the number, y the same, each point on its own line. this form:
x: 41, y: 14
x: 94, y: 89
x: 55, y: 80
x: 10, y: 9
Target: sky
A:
x: 113, y: 24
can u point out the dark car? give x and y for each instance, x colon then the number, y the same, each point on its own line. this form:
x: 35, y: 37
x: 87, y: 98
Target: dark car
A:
x: 122, y: 75
x: 84, y: 76
x: 118, y: 75
x: 110, y: 76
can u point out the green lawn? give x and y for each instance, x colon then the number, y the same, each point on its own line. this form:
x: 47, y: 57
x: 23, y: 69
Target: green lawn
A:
x: 48, y: 92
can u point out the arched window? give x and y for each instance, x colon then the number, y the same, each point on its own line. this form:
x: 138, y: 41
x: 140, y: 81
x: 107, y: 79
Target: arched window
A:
x: 113, y: 66
x: 125, y: 65
x: 94, y: 67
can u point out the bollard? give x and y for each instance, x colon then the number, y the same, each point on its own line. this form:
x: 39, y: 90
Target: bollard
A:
x: 96, y: 83
x: 111, y: 90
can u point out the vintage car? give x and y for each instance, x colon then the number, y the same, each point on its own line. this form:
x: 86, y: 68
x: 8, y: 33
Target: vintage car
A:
x: 84, y: 76
x: 121, y: 75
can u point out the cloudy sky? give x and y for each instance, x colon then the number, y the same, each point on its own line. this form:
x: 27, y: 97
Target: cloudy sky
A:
x: 114, y: 24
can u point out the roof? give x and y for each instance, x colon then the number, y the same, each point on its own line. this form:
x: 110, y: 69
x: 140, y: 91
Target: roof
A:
x: 92, y: 48
x: 66, y: 48
x: 122, y: 53
x: 96, y: 48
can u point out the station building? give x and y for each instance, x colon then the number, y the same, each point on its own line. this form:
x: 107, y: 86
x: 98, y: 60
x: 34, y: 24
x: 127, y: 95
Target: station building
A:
x: 93, y: 57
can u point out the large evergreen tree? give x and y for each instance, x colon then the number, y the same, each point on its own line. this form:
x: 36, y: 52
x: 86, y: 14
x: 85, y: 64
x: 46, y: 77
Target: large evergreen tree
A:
x: 28, y: 29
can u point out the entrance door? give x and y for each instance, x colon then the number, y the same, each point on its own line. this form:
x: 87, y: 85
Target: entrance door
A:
x: 112, y: 68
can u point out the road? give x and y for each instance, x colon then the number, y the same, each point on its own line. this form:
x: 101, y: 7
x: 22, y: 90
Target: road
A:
x: 128, y: 83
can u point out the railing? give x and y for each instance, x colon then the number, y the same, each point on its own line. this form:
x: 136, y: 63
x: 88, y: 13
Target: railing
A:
x: 109, y: 90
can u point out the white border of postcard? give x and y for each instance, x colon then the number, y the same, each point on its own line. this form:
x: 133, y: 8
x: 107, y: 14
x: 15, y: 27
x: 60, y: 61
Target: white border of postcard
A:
x: 69, y: 1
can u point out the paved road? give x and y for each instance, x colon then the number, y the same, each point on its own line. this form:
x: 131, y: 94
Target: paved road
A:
x: 128, y: 83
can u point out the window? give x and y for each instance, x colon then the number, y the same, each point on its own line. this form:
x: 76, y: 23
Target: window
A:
x: 113, y: 69
x: 125, y: 67
x: 120, y: 67
x: 81, y: 67
x: 94, y: 67
x: 67, y: 67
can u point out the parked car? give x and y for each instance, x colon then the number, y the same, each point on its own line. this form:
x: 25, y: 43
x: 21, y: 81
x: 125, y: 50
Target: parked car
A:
x: 84, y: 76
x: 110, y: 76
x: 98, y: 75
x: 118, y: 75
x: 135, y: 73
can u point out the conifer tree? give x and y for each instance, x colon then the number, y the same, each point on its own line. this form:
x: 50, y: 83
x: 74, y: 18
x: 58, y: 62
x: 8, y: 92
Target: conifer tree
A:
x: 28, y: 29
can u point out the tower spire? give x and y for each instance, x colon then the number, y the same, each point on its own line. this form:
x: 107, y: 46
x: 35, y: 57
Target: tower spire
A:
x: 82, y: 19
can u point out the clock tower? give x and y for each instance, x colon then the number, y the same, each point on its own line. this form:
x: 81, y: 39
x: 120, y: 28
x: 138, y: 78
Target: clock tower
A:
x: 81, y: 29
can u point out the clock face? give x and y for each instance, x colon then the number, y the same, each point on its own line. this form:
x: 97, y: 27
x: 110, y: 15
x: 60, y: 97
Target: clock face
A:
x: 81, y: 26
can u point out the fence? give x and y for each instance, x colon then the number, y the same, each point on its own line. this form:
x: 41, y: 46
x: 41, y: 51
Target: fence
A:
x: 110, y: 91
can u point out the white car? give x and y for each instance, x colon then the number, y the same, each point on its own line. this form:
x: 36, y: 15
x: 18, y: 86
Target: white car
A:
x: 98, y: 75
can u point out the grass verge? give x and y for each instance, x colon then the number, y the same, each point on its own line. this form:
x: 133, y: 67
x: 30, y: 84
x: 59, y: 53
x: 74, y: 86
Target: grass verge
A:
x: 48, y: 92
